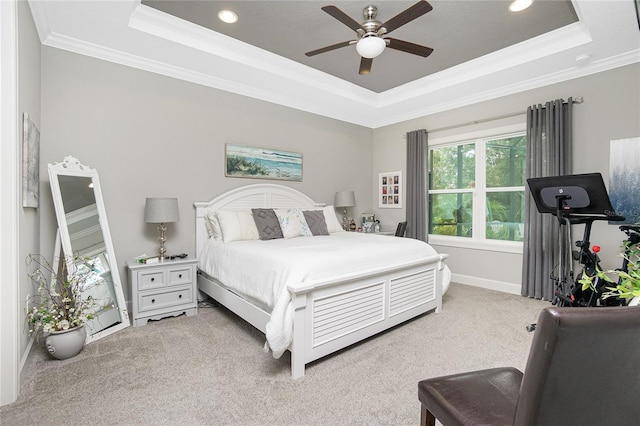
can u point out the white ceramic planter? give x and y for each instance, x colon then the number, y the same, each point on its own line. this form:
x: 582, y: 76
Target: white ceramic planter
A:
x: 66, y: 343
x: 635, y: 301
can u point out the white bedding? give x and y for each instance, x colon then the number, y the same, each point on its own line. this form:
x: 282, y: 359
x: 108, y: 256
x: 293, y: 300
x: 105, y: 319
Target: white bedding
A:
x: 264, y: 271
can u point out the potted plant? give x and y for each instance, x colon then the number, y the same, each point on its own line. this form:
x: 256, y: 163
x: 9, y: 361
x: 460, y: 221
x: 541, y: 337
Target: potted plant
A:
x: 61, y: 306
x: 627, y: 284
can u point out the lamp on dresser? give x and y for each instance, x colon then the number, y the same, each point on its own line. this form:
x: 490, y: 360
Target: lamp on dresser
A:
x: 161, y: 211
x: 345, y: 199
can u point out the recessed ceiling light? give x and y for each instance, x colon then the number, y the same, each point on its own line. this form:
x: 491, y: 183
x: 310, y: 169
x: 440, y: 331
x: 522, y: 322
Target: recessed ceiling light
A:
x: 519, y: 5
x: 228, y: 16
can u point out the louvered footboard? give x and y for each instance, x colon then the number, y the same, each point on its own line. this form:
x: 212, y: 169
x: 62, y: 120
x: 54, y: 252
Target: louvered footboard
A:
x: 332, y: 315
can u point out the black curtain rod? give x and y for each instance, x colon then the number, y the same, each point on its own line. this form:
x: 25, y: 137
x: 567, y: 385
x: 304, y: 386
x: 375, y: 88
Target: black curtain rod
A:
x: 577, y: 100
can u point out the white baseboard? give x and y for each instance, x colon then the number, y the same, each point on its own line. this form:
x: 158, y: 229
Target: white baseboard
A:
x: 25, y: 361
x: 485, y: 283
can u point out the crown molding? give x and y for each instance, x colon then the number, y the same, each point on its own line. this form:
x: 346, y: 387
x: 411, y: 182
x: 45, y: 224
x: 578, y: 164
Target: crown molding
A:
x: 541, y: 80
x: 141, y: 37
x: 326, y: 108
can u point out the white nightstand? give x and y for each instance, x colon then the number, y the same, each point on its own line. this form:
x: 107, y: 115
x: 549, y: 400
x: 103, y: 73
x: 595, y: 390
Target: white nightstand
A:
x: 160, y: 290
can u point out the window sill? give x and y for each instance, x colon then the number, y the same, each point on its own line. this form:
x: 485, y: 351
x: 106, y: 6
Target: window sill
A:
x: 469, y: 243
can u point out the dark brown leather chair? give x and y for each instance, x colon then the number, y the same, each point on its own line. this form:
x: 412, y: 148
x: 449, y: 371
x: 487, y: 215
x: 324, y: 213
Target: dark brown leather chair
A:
x: 583, y: 369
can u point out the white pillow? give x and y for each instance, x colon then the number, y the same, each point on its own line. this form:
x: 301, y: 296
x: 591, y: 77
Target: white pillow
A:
x: 213, y: 225
x: 237, y: 225
x: 333, y: 224
x: 293, y: 223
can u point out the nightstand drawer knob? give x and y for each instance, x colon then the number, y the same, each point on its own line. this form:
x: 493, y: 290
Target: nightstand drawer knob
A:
x: 153, y: 300
x: 179, y: 296
x: 181, y: 275
x: 152, y: 278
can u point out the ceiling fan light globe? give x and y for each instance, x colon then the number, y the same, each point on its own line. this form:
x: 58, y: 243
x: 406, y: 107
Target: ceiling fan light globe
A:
x: 371, y: 46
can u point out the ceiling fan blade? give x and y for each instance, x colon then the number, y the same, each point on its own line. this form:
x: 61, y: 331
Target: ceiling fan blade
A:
x: 342, y: 17
x: 329, y: 48
x: 365, y: 66
x: 408, y: 47
x: 408, y: 15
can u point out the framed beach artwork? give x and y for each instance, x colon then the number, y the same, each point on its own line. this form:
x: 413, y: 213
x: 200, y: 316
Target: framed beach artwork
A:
x: 30, y: 162
x: 390, y: 190
x: 624, y: 178
x: 262, y: 163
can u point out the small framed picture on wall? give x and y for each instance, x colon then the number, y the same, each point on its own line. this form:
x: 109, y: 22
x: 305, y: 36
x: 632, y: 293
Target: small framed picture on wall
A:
x: 390, y: 190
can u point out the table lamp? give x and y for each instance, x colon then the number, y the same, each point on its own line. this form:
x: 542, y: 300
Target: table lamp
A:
x: 161, y: 211
x: 345, y: 199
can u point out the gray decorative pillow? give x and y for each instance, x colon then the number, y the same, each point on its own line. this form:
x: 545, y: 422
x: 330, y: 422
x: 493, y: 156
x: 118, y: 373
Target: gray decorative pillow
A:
x: 315, y: 220
x: 267, y: 224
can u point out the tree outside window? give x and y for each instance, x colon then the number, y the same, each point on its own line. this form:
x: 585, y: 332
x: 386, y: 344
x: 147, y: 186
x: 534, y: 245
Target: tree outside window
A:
x: 476, y: 188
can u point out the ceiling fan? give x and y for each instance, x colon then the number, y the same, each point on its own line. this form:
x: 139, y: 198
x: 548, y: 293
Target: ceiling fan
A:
x: 370, y: 34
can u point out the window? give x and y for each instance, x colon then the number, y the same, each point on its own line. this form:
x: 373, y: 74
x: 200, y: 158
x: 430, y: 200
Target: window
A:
x: 476, y: 188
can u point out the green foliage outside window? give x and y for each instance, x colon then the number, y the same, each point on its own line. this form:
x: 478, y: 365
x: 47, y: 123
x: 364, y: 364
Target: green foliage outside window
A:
x: 454, y: 178
x: 506, y: 162
x: 452, y: 214
x: 505, y: 220
x: 455, y: 167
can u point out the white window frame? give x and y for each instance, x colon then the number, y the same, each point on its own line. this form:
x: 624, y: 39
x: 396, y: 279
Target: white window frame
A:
x: 478, y: 240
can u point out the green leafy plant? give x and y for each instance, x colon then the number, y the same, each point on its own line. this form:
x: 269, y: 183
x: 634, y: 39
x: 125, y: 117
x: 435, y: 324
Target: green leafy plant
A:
x: 61, y: 301
x: 625, y: 284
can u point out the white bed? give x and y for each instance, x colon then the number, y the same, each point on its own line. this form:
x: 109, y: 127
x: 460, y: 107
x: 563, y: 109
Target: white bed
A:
x: 319, y: 310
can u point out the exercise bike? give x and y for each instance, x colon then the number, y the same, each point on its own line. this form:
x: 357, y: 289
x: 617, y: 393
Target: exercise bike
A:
x: 575, y: 200
x: 587, y: 256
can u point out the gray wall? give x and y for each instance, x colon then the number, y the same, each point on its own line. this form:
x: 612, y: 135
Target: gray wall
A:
x: 29, y: 102
x: 150, y: 135
x: 611, y: 110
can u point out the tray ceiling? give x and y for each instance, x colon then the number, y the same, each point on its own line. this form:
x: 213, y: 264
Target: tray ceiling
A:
x: 481, y: 50
x: 458, y: 31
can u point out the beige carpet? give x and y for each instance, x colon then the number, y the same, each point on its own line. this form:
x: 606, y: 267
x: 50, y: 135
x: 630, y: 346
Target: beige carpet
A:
x: 210, y: 369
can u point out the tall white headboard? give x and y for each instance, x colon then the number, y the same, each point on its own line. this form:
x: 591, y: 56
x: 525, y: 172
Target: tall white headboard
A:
x: 264, y: 195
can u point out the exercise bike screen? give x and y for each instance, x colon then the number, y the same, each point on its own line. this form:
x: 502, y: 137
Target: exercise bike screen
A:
x: 587, y: 194
x: 577, y: 196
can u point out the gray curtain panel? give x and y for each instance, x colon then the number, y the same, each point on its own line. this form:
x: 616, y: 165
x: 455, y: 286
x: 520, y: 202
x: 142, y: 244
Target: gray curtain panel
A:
x: 417, y: 189
x: 549, y: 142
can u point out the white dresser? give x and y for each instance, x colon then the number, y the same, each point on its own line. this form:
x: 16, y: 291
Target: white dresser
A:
x: 161, y: 290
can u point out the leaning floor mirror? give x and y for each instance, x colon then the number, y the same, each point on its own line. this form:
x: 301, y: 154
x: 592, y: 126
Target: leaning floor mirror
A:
x: 83, y: 233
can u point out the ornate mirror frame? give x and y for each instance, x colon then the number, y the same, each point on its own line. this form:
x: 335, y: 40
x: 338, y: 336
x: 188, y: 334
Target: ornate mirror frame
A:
x: 84, y: 231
